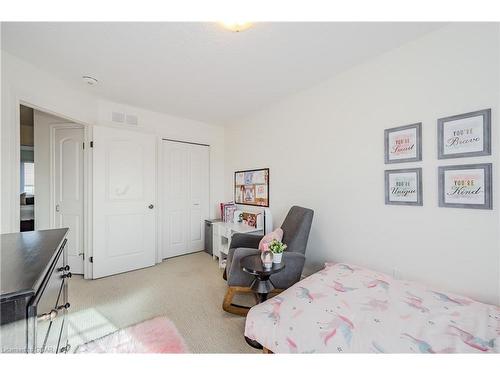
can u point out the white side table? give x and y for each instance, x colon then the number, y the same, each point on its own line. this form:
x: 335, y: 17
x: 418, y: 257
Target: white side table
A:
x: 222, y: 234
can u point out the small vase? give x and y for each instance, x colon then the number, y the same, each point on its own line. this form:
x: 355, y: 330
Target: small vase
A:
x: 277, y: 257
x: 267, y: 258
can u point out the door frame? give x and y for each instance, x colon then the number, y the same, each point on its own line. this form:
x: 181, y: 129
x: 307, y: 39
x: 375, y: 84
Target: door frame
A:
x: 52, y: 170
x: 161, y: 198
x: 87, y: 185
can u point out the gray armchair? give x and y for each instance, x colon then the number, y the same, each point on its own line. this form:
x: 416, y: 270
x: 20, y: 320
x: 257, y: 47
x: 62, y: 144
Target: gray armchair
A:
x: 296, y: 228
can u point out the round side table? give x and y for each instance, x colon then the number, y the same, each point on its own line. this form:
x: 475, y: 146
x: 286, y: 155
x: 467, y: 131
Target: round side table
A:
x: 261, y: 285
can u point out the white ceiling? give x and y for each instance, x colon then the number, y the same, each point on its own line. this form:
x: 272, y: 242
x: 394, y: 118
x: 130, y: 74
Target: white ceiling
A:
x: 200, y: 70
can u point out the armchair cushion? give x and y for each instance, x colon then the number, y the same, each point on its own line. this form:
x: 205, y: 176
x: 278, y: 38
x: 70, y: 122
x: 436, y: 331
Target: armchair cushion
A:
x: 250, y: 241
x: 235, y: 275
x: 294, y: 263
x: 245, y: 240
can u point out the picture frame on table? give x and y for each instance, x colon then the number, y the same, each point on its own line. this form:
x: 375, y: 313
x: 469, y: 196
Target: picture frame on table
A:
x: 403, y: 144
x: 404, y: 187
x: 466, y: 186
x: 465, y: 135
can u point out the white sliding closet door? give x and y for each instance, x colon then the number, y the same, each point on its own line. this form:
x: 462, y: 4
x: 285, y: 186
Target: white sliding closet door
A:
x: 185, y: 196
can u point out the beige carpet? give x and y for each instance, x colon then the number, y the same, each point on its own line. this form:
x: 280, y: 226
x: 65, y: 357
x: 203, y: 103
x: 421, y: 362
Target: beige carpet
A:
x: 187, y: 289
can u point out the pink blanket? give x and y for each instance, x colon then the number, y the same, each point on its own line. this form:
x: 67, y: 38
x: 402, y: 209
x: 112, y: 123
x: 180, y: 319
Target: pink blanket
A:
x: 345, y: 308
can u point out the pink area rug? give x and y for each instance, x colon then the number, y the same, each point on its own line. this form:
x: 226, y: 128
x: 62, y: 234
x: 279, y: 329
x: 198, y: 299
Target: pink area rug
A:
x: 158, y: 335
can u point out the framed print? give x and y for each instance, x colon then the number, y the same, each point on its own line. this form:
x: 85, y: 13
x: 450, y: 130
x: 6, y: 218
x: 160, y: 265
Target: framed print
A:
x: 249, y: 194
x: 403, y: 144
x: 251, y: 187
x: 404, y: 187
x: 465, y: 135
x: 465, y: 186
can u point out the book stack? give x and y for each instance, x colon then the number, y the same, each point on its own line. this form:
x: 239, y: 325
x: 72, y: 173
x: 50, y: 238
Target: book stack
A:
x: 227, y: 212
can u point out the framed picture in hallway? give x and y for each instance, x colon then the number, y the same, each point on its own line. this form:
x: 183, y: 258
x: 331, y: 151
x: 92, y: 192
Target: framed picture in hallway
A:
x: 251, y: 187
x: 403, y: 144
x: 465, y: 135
x: 403, y: 187
x: 465, y: 186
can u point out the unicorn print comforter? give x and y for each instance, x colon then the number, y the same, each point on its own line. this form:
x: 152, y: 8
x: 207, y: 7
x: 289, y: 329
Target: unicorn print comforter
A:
x: 345, y: 308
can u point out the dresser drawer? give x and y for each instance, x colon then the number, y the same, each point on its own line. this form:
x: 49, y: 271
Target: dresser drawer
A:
x: 49, y: 307
x: 52, y: 334
x: 55, y: 329
x: 50, y: 294
x: 47, y: 331
x: 32, y: 283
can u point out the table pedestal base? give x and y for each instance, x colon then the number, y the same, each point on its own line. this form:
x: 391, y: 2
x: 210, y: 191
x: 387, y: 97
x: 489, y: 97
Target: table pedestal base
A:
x: 261, y: 285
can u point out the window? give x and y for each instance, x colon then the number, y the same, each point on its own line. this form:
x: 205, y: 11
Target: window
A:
x: 29, y: 178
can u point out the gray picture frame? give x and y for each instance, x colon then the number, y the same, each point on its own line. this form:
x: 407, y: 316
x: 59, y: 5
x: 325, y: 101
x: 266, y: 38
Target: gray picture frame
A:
x: 488, y: 183
x: 418, y: 171
x: 418, y: 157
x: 441, y: 123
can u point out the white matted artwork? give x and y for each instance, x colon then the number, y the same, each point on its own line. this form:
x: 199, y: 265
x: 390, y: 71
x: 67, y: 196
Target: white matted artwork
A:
x: 239, y: 179
x: 403, y: 144
x: 465, y: 186
x: 404, y: 187
x: 465, y: 135
x: 261, y: 191
x: 249, y: 194
x: 239, y: 191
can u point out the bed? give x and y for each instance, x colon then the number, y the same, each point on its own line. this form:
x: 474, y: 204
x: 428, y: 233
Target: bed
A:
x: 350, y: 309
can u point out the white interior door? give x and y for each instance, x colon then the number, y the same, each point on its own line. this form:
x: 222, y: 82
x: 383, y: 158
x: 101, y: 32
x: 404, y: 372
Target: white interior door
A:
x: 68, y: 185
x: 199, y: 188
x: 124, y: 178
x: 185, y: 192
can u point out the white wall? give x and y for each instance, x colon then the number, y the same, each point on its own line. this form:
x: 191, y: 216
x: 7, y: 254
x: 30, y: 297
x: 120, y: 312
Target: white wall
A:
x: 176, y: 128
x: 24, y: 82
x: 325, y: 150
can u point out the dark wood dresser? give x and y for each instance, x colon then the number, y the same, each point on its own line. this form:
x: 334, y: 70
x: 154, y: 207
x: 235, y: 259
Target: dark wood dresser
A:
x: 34, y: 292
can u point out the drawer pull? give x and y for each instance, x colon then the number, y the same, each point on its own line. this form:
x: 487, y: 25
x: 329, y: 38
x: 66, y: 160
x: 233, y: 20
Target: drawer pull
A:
x: 65, y: 268
x: 67, y: 275
x: 65, y: 349
x: 52, y: 315
x: 66, y: 306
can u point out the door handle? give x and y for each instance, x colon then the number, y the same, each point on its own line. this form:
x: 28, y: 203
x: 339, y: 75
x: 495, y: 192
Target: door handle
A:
x: 57, y: 208
x: 151, y: 206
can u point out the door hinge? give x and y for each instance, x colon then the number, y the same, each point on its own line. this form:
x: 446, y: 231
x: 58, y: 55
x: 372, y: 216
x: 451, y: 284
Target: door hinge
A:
x: 92, y: 144
x: 91, y: 259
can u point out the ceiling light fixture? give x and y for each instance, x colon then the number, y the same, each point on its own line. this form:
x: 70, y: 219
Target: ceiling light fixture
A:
x: 91, y: 81
x: 236, y: 26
